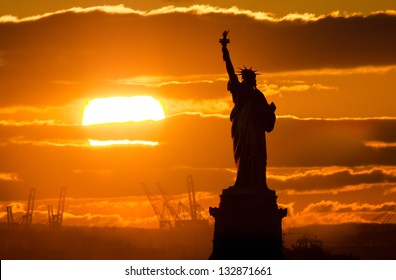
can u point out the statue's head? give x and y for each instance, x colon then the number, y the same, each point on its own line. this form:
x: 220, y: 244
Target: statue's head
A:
x: 248, y: 76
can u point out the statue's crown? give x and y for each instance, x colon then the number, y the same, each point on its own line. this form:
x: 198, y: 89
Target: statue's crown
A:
x: 247, y: 72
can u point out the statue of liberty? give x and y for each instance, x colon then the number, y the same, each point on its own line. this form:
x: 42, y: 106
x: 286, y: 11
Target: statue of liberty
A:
x: 251, y: 117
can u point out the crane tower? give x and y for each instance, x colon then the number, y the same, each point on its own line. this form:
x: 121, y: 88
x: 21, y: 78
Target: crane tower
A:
x: 28, y: 216
x: 55, y: 220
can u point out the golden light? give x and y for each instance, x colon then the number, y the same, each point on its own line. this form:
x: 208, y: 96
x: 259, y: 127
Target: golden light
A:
x: 103, y: 143
x: 122, y: 110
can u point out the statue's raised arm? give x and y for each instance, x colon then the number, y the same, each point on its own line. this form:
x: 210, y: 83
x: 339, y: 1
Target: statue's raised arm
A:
x: 226, y: 57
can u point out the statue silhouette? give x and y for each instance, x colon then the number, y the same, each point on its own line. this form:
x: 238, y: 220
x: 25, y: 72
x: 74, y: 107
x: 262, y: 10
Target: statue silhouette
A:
x: 248, y: 221
x: 251, y: 117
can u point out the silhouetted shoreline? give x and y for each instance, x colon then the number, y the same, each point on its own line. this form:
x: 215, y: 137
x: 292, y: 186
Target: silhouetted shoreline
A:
x: 343, y: 241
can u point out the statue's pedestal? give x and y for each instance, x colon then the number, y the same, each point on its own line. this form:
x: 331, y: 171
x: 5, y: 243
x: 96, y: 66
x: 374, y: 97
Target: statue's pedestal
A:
x: 248, y: 225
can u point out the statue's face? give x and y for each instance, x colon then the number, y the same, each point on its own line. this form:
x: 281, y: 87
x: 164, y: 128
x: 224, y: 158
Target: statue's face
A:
x: 248, y: 77
x: 250, y: 81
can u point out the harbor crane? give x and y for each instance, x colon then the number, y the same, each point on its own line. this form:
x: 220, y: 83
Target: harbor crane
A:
x: 161, y: 210
x: 27, y: 218
x: 55, y: 220
x: 387, y: 215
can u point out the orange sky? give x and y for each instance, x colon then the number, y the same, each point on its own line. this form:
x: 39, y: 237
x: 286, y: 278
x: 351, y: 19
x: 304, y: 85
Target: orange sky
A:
x: 331, y: 157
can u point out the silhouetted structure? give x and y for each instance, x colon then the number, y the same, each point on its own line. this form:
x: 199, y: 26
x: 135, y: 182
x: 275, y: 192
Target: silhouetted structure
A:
x: 248, y: 222
x: 251, y: 117
x: 177, y: 215
x: 386, y: 216
x: 27, y: 218
x: 10, y: 219
x: 55, y: 220
x: 163, y: 215
x: 191, y: 198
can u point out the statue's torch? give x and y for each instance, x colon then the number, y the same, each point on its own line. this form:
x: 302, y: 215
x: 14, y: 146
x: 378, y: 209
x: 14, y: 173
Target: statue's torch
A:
x: 224, y: 41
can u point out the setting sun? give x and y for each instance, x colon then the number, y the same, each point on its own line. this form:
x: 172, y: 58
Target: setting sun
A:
x: 122, y: 109
x: 114, y: 110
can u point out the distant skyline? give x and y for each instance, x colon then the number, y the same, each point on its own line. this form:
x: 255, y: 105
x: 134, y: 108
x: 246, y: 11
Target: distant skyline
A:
x: 331, y: 156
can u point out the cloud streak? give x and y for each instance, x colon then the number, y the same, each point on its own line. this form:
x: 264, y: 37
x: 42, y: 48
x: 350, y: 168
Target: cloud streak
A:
x: 52, y: 142
x: 333, y: 180
x: 197, y: 9
x: 194, y: 9
x: 165, y: 81
x: 335, y: 212
x: 9, y: 177
x: 33, y: 123
x: 380, y: 145
x: 360, y: 70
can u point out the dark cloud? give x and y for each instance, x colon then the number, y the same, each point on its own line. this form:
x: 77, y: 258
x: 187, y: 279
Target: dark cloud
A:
x: 337, y: 207
x: 190, y: 144
x: 320, y: 179
x: 71, y: 55
x: 331, y: 142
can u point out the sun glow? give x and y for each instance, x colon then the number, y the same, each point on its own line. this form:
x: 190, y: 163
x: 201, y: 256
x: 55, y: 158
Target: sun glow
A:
x: 104, y: 143
x: 122, y: 109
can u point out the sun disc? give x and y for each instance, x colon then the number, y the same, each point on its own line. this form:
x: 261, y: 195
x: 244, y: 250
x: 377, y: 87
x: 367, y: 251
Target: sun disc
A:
x: 122, y: 109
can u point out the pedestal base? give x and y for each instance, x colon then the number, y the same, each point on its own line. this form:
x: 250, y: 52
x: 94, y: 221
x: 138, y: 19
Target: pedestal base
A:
x: 248, y: 225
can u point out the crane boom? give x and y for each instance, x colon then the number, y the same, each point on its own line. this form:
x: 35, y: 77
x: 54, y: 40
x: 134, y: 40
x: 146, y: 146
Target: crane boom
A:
x: 27, y: 218
x: 162, y: 215
x: 191, y: 197
x: 10, y: 220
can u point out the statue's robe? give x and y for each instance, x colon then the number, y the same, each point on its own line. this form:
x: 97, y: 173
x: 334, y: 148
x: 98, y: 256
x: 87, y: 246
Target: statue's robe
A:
x: 251, y: 117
